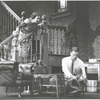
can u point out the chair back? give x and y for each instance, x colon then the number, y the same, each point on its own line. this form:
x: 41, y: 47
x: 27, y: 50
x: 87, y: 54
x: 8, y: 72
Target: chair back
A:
x: 40, y: 70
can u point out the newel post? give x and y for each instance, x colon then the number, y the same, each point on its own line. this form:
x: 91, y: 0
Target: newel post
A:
x: 14, y: 51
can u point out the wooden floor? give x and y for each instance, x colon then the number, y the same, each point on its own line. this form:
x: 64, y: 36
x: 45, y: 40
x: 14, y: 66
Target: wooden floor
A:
x: 14, y: 95
x: 49, y: 96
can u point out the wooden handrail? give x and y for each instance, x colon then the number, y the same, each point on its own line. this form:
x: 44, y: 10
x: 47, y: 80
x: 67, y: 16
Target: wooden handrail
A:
x: 27, y: 35
x: 7, y: 39
x: 10, y: 10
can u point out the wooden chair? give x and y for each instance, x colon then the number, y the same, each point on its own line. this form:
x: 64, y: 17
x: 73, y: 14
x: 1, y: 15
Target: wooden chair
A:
x: 60, y: 85
x: 52, y: 84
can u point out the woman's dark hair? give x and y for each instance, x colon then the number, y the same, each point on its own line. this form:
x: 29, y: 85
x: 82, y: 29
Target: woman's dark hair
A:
x: 76, y: 49
x: 34, y: 14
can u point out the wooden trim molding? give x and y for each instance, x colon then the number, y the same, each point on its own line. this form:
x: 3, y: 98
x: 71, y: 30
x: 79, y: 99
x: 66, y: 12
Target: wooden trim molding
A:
x: 60, y: 14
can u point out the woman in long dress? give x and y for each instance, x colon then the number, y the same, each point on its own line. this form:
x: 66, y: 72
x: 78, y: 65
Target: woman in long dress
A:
x: 26, y: 27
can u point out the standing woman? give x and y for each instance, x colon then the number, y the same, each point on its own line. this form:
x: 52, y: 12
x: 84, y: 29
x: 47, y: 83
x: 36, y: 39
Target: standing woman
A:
x: 26, y: 27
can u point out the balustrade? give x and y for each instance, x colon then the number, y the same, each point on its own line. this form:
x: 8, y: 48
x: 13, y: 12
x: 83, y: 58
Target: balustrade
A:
x: 57, y: 40
x: 9, y: 20
x: 60, y: 39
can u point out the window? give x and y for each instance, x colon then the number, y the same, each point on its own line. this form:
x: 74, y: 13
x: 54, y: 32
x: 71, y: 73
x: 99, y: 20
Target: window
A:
x: 62, y: 9
x: 63, y: 5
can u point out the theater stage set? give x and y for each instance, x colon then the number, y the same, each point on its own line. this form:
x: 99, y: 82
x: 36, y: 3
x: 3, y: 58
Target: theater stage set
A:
x: 30, y: 75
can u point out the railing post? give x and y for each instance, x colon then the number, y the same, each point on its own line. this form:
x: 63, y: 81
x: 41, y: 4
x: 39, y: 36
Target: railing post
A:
x: 31, y: 48
x: 14, y: 51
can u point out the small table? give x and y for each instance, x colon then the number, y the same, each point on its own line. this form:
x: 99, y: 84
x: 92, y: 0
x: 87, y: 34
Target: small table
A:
x: 58, y: 82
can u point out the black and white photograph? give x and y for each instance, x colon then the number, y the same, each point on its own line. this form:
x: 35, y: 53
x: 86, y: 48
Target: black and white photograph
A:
x: 49, y: 49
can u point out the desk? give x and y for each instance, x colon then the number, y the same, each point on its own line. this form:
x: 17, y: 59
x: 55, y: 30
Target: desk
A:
x: 58, y: 83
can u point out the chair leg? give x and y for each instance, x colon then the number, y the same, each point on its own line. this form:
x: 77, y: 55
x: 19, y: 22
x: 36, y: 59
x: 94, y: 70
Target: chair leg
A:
x: 83, y: 90
x: 6, y: 90
x: 19, y: 94
x: 64, y: 91
x: 57, y: 92
x: 57, y: 89
x: 40, y: 86
x: 31, y: 90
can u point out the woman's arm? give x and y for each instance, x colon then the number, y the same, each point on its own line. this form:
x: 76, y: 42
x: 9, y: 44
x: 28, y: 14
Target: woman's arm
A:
x: 24, y: 23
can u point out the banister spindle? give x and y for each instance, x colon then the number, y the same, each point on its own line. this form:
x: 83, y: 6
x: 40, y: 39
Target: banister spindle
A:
x: 3, y: 20
x: 13, y: 23
x: 16, y: 23
x: 8, y: 23
x: 31, y: 49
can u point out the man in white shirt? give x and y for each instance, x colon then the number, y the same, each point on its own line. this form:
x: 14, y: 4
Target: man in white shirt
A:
x: 74, y: 70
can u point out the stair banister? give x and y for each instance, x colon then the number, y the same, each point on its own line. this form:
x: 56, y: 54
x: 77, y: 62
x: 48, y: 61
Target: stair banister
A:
x: 28, y: 35
x: 40, y: 25
x: 15, y: 19
x: 14, y: 16
x: 10, y: 10
x: 7, y: 39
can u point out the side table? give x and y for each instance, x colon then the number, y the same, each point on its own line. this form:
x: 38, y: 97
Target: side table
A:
x: 54, y: 81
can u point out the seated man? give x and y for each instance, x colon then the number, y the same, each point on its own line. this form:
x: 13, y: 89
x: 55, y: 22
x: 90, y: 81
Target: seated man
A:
x: 74, y: 72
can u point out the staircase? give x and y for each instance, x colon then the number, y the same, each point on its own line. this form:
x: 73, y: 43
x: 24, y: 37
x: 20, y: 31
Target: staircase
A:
x: 9, y: 42
x: 57, y: 39
x: 9, y: 21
